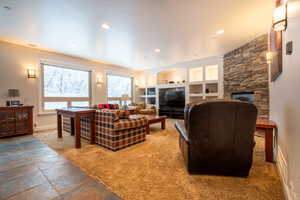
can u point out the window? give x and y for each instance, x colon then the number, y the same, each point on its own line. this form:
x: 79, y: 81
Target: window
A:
x: 117, y: 86
x: 63, y: 87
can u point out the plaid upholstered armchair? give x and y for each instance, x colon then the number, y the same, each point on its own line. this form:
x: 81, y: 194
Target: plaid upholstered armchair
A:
x: 112, y: 132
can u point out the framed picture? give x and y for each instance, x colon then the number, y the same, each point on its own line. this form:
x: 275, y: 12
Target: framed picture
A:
x: 276, y: 49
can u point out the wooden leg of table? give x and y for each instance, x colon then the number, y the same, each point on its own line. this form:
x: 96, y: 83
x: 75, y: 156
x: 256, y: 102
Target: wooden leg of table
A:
x: 147, y: 128
x: 92, y: 127
x: 72, y: 126
x: 77, y: 132
x: 163, y: 124
x: 269, y: 145
x: 59, y: 131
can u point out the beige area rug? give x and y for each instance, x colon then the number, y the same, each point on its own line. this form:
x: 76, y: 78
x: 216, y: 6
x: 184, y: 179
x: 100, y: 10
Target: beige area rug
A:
x: 155, y: 170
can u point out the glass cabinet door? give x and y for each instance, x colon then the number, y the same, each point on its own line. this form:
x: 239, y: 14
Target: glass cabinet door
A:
x: 7, y: 122
x: 22, y: 118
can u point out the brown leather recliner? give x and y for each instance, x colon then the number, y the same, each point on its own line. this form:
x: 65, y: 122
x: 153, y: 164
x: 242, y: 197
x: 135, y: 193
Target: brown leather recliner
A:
x: 217, y: 137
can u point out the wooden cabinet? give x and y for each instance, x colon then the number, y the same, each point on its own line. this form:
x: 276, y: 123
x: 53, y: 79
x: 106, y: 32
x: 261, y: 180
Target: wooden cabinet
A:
x: 16, y: 120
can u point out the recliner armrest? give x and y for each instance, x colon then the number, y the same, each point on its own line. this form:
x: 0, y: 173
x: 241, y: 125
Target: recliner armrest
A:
x: 180, y: 128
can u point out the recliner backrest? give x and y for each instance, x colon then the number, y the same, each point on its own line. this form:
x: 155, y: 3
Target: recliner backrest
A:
x: 221, y: 132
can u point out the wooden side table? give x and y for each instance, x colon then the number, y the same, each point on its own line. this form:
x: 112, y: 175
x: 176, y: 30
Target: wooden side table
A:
x: 268, y: 127
x: 75, y: 114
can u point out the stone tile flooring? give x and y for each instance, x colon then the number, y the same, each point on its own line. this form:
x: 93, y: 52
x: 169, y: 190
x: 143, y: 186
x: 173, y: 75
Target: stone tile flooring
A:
x: 29, y: 169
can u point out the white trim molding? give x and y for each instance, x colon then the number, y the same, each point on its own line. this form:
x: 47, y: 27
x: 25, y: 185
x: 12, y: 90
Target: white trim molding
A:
x: 283, y: 171
x: 45, y: 128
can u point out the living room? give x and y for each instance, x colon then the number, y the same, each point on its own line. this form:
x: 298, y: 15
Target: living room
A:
x: 149, y: 100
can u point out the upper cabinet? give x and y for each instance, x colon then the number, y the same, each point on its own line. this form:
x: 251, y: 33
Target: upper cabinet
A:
x: 151, y: 79
x: 211, y: 73
x: 204, y: 73
x: 196, y: 74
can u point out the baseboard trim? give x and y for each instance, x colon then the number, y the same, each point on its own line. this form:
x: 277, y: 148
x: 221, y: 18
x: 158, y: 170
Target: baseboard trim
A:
x: 283, y: 172
x: 45, y: 128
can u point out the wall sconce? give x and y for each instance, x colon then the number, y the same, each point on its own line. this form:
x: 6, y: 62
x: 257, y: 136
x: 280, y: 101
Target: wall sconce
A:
x: 99, y: 81
x: 31, y: 73
x: 269, y: 57
x: 280, y: 18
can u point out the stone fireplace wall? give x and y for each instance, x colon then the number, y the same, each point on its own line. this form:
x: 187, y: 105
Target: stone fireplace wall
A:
x: 246, y: 70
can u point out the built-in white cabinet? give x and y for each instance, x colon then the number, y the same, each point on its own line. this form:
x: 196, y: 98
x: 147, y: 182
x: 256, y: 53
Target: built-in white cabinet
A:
x: 200, y: 83
x: 203, y: 83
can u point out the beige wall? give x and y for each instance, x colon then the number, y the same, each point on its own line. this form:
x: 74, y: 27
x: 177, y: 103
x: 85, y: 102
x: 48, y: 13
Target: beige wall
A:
x: 285, y: 109
x: 15, y: 59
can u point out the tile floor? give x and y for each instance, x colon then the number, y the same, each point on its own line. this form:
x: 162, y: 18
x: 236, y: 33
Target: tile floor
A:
x: 29, y: 169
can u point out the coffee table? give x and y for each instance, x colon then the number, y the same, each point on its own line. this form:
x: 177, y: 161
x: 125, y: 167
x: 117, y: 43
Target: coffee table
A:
x: 152, y: 119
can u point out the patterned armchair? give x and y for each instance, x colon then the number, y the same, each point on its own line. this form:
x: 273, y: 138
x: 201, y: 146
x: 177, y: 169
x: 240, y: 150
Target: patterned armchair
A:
x: 112, y: 132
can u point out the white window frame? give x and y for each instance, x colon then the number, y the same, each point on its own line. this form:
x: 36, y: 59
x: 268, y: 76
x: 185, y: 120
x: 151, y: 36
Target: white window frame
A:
x: 119, y: 98
x: 69, y: 100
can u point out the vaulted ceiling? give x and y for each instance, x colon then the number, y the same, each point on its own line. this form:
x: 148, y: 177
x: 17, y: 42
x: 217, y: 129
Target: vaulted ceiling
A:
x: 183, y: 30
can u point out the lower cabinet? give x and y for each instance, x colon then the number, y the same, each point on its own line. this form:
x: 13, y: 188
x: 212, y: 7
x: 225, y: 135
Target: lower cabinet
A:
x: 16, y: 120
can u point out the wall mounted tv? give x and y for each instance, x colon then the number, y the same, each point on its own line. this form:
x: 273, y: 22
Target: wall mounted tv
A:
x: 173, y: 97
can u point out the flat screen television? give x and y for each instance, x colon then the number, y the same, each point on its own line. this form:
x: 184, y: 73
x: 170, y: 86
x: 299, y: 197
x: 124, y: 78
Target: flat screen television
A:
x: 173, y: 97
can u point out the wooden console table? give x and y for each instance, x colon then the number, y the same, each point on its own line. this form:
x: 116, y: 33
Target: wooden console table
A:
x: 75, y: 114
x: 268, y: 127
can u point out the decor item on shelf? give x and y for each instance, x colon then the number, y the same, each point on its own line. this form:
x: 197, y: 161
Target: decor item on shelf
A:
x: 171, y: 82
x: 13, y: 95
x: 207, y: 90
x: 125, y: 98
x: 280, y: 16
x: 183, y: 81
x: 31, y: 73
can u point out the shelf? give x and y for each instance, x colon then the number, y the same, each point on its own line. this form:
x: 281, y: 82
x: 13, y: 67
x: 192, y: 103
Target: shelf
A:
x: 151, y: 87
x: 151, y: 96
x: 196, y: 83
x: 196, y: 95
x: 171, y: 85
x: 151, y: 105
x: 142, y: 96
x: 212, y: 81
x: 212, y: 94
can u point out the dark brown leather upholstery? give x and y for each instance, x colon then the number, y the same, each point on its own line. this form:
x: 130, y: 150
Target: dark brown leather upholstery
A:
x: 217, y: 137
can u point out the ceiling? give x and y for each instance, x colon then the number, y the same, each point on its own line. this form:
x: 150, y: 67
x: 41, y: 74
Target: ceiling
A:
x: 183, y: 30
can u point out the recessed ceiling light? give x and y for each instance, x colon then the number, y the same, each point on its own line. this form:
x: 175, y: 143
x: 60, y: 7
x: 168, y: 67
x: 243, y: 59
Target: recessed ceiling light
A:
x: 220, y: 32
x: 73, y: 45
x: 7, y: 7
x: 157, y: 50
x: 105, y: 26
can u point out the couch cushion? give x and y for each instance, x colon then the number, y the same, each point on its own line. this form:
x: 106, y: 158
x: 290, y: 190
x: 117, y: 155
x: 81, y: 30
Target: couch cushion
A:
x: 130, y: 123
x: 107, y: 106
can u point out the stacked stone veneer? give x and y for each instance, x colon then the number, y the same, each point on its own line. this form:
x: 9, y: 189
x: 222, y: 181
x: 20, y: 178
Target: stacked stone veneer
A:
x: 246, y: 70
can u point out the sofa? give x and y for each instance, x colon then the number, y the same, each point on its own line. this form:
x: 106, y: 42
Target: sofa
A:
x: 217, y: 137
x: 141, y: 108
x: 112, y: 131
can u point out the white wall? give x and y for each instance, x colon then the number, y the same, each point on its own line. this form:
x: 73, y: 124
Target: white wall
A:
x: 15, y: 59
x: 285, y: 107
